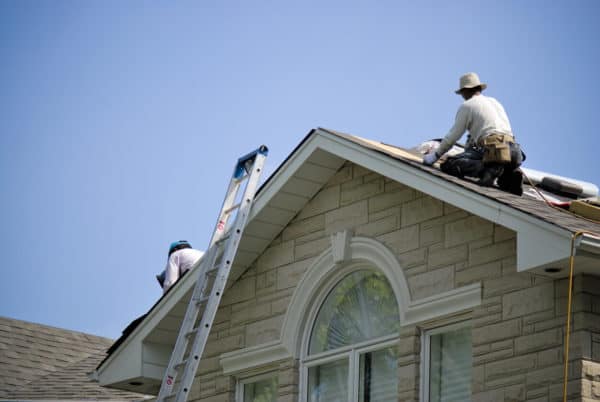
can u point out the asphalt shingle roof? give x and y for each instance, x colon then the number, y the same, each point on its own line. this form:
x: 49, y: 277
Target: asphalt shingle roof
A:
x: 528, y: 205
x: 39, y: 362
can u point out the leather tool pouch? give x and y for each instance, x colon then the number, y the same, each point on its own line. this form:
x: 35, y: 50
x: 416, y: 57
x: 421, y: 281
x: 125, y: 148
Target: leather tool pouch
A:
x: 496, y: 148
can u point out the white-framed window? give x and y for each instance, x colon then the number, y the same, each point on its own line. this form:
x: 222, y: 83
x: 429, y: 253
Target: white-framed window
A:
x: 350, y: 352
x: 262, y: 388
x: 447, y: 360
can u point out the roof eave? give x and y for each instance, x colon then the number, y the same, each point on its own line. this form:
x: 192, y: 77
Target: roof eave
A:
x: 539, y: 243
x: 589, y: 243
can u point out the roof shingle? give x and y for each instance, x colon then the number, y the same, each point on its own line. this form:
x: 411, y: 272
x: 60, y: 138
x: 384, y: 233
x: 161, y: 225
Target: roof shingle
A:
x: 40, y: 362
x: 528, y: 205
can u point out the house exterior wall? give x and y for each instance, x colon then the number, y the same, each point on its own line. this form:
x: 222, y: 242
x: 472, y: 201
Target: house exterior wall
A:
x: 517, y: 331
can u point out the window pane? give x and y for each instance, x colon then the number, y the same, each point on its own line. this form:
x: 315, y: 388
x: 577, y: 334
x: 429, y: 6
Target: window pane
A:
x: 379, y: 376
x: 450, y: 366
x: 261, y: 391
x: 361, y: 307
x: 328, y: 382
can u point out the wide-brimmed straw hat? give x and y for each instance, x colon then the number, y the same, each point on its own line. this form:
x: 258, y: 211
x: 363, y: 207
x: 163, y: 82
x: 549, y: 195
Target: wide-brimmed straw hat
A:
x: 470, y: 80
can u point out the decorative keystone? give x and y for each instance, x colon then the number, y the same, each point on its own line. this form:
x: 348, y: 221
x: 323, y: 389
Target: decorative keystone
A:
x: 340, y: 246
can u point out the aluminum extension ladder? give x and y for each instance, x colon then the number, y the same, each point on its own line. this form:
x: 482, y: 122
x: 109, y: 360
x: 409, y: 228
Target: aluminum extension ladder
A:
x: 212, y: 278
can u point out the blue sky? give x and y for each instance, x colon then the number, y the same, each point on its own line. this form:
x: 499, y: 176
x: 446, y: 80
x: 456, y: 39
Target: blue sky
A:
x: 120, y: 121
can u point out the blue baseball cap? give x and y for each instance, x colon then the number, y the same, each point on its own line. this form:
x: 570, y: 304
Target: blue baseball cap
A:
x: 178, y: 245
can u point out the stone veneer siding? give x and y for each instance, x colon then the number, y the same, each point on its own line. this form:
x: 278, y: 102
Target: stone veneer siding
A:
x: 518, y: 330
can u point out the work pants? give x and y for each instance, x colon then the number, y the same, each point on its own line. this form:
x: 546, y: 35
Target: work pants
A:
x: 470, y: 164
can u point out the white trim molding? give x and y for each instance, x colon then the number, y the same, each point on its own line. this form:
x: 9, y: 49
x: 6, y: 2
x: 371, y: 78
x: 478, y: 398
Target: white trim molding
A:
x: 261, y: 355
x: 552, y: 247
x: 355, y: 249
x: 540, y: 244
x: 359, y: 249
x: 242, y: 382
x: 340, y: 246
x: 443, y: 304
x: 426, y: 354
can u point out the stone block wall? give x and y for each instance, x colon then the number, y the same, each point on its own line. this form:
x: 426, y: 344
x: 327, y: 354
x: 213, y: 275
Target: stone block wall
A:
x: 517, y: 331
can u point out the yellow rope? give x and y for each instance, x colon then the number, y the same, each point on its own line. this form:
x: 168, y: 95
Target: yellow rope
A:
x: 571, y: 271
x: 569, y: 303
x: 569, y: 307
x: 551, y: 205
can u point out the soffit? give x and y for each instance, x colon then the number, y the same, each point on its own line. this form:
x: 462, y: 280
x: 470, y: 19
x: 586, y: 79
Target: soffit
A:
x: 316, y: 159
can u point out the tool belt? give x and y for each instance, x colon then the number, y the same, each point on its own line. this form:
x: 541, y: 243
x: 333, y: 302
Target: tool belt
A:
x: 496, y: 148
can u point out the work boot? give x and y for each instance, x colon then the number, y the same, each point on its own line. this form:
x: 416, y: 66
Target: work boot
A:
x: 512, y: 182
x: 489, y: 175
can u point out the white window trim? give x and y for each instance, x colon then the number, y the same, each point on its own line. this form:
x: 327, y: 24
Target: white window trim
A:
x: 241, y: 381
x: 426, y: 353
x: 352, y: 352
x: 366, y: 346
x: 376, y: 255
x: 346, y: 247
x: 326, y: 286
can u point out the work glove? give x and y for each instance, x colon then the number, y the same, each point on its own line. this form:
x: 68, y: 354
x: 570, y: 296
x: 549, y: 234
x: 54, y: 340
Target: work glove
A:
x: 430, y: 158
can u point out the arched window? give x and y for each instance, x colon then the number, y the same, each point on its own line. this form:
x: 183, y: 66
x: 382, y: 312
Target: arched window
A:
x: 351, y: 353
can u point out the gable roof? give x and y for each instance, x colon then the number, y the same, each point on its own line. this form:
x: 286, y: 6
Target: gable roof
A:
x: 39, y: 362
x: 543, y: 233
x: 532, y: 206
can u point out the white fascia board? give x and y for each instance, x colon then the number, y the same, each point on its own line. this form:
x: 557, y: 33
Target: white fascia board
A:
x: 285, y: 173
x: 135, y: 339
x: 590, y: 243
x: 132, y: 346
x: 538, y: 247
x: 530, y: 230
x: 526, y: 226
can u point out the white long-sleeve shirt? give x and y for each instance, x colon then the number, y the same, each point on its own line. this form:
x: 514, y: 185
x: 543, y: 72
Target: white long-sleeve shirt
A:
x: 179, y: 262
x: 481, y: 115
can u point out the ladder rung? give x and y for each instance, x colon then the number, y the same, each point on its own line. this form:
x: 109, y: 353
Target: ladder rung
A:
x: 228, y: 210
x: 202, y: 300
x: 180, y: 365
x: 223, y: 239
x: 192, y: 332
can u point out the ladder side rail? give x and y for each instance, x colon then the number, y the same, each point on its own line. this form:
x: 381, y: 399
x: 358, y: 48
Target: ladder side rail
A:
x: 221, y: 224
x: 220, y: 282
x: 187, y: 324
x: 192, y: 310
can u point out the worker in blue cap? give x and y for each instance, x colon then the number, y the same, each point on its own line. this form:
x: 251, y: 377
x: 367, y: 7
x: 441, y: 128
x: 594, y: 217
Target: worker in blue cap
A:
x: 181, y: 258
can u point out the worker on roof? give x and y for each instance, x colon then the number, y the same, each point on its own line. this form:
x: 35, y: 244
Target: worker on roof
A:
x: 181, y: 258
x: 491, y: 151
